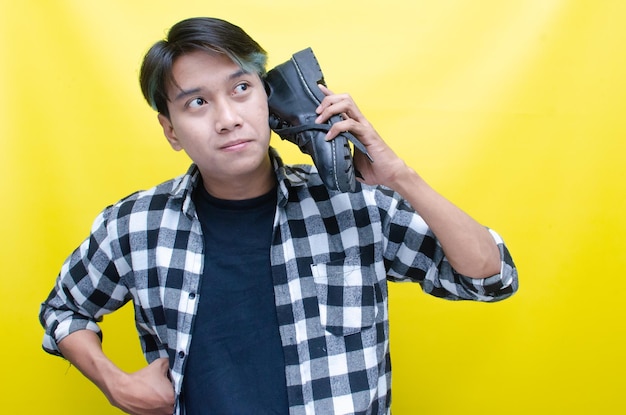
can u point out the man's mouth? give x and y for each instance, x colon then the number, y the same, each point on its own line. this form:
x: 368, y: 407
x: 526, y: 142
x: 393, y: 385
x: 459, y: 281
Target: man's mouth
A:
x: 235, y: 145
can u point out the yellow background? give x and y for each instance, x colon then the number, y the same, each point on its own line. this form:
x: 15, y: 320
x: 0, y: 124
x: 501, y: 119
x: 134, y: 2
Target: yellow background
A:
x: 514, y: 109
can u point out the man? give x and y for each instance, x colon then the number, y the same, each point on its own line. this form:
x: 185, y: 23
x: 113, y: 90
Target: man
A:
x: 257, y: 287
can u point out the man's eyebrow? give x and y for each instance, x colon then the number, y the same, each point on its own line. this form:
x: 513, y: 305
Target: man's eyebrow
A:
x: 241, y: 72
x: 187, y: 92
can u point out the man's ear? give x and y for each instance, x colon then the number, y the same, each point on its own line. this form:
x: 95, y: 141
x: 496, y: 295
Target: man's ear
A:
x: 168, y: 130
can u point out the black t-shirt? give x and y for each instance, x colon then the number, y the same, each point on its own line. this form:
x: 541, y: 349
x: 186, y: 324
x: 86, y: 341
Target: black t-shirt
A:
x: 236, y: 363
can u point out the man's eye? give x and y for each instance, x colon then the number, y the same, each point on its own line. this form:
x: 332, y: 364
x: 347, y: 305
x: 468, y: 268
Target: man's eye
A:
x: 196, y: 102
x: 241, y: 87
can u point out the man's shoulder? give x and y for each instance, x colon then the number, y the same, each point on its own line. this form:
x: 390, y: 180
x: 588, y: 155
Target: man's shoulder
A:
x: 156, y: 198
x: 306, y: 183
x: 298, y: 169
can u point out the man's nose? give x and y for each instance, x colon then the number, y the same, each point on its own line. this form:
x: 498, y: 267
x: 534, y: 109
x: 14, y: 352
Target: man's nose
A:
x: 227, y: 116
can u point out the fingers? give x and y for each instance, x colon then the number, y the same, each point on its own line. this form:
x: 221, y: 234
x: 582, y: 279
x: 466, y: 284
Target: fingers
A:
x: 146, y: 391
x: 346, y: 125
x: 163, y: 364
x: 384, y: 171
x: 337, y: 104
x: 344, y: 106
x: 325, y: 90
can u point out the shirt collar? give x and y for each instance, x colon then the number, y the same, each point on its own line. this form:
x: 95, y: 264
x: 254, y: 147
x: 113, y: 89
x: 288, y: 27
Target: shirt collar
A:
x: 288, y: 177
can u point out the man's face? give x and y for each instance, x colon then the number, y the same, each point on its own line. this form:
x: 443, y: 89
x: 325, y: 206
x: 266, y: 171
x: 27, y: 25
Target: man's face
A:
x: 219, y: 116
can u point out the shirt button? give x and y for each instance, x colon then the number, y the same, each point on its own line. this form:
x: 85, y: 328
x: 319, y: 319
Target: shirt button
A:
x: 181, y: 354
x: 192, y: 296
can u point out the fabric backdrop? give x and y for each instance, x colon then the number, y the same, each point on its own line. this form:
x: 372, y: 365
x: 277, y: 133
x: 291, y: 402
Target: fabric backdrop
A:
x: 512, y: 109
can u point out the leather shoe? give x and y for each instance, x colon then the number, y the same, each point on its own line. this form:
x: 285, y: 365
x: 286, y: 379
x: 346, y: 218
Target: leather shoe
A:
x: 293, y: 96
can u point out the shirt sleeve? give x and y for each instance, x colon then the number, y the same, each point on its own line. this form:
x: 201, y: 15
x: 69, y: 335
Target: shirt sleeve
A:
x: 412, y: 253
x: 87, y: 287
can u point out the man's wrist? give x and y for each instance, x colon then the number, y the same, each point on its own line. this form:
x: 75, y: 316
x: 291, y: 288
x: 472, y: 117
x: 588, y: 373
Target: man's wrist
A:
x: 407, y: 182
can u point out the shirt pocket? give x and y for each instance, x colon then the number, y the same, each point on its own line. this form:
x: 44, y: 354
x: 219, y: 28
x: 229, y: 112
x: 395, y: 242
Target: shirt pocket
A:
x: 346, y: 295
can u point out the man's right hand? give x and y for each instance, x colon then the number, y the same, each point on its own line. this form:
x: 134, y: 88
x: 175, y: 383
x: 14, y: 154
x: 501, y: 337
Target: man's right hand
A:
x: 147, y: 391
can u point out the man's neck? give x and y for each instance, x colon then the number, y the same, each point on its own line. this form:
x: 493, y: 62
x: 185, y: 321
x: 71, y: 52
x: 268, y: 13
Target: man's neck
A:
x: 241, y: 188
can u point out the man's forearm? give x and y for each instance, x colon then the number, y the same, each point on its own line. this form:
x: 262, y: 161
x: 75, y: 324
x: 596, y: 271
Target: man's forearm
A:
x: 84, y: 350
x: 146, y: 391
x: 468, y: 246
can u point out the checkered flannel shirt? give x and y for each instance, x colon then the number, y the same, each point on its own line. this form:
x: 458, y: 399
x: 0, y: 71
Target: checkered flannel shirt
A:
x: 331, y: 256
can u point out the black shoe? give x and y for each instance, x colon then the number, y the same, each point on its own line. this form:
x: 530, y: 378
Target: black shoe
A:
x: 293, y: 95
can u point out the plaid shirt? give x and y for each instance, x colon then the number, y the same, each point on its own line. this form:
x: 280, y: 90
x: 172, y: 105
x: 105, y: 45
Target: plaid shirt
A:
x: 332, y: 254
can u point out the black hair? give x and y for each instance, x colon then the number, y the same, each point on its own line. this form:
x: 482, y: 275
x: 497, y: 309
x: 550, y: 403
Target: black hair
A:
x: 198, y: 33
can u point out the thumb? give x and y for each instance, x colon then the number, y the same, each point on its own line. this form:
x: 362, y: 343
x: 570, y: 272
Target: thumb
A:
x: 162, y: 365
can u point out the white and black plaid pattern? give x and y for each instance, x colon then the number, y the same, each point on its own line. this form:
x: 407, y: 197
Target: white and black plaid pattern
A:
x: 332, y: 254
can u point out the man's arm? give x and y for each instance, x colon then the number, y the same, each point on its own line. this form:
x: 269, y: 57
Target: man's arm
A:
x: 147, y: 391
x: 469, y: 247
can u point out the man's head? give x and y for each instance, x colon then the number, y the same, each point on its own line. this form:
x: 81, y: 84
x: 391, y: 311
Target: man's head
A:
x: 201, y: 33
x: 206, y: 82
